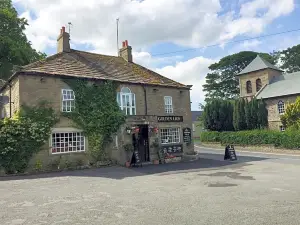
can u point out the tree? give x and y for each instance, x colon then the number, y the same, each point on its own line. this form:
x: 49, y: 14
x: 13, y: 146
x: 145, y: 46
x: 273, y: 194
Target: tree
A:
x: 217, y: 115
x: 290, y: 59
x: 291, y: 117
x: 15, y: 49
x: 221, y: 81
x: 239, y: 119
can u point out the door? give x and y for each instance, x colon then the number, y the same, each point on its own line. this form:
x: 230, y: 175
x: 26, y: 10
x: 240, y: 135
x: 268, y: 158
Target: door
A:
x: 143, y: 143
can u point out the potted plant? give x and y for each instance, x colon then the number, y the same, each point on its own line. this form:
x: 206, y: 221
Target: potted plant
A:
x: 128, y: 148
x: 155, y: 145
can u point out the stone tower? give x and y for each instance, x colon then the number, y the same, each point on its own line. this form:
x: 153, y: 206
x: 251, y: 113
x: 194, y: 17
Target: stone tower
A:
x: 256, y: 76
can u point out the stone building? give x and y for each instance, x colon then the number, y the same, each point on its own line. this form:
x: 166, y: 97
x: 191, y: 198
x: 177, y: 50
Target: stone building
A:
x: 159, y: 107
x: 265, y: 81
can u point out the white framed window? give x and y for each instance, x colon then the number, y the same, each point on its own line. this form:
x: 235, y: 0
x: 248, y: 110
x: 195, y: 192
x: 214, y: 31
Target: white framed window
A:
x: 282, y: 128
x: 66, y: 142
x: 68, y: 100
x: 126, y: 101
x: 168, y: 104
x: 280, y: 106
x: 170, y: 135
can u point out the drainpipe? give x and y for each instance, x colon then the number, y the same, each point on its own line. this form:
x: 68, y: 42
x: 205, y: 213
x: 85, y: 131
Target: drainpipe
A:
x: 10, y: 108
x: 146, y: 105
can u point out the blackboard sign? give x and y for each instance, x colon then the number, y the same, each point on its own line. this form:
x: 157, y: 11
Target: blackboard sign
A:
x: 230, y: 153
x: 170, y: 118
x: 187, y: 135
x: 135, y: 159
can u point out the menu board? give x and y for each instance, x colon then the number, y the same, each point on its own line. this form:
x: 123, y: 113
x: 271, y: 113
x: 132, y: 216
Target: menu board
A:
x: 187, y: 135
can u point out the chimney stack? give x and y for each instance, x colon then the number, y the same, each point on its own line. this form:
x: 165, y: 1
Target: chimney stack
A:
x: 63, y: 41
x: 126, y: 51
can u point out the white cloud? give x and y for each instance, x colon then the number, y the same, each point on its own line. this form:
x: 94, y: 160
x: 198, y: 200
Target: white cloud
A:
x: 190, y: 72
x: 192, y: 23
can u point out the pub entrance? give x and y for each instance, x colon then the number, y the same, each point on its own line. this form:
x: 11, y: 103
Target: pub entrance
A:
x: 142, y: 143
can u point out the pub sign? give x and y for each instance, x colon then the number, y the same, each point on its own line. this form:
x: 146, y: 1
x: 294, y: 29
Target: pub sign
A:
x: 170, y: 118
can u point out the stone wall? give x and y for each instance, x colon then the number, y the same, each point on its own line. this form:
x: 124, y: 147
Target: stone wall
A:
x: 14, y: 90
x: 33, y: 89
x: 273, y: 114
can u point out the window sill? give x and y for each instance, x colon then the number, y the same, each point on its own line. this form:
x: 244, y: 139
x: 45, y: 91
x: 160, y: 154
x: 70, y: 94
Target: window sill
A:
x: 67, y: 153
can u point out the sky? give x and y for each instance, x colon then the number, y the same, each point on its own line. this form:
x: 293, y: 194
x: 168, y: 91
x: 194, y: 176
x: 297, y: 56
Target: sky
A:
x: 160, y: 30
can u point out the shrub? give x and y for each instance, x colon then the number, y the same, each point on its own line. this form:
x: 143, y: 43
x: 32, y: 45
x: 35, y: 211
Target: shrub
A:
x: 288, y: 139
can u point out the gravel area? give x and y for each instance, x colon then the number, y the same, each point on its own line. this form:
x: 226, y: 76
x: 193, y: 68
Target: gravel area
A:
x: 206, y: 191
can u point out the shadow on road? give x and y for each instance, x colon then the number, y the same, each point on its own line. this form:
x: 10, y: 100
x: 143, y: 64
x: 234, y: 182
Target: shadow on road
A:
x: 205, y: 162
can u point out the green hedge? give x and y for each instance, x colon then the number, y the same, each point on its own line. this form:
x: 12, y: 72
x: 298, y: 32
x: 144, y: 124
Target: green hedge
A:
x: 288, y: 139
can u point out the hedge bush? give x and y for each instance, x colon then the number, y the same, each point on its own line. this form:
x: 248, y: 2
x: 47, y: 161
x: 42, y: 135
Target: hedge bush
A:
x: 288, y: 139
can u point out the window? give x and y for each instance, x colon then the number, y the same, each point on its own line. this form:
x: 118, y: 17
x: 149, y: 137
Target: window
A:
x: 168, y: 104
x: 249, y: 87
x: 170, y: 135
x: 68, y: 100
x: 126, y: 101
x: 194, y: 127
x: 67, y: 142
x: 282, y: 128
x: 280, y: 106
x: 258, y: 84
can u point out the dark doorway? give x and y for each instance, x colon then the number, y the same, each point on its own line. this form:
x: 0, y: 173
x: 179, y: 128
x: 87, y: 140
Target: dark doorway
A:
x: 143, y: 143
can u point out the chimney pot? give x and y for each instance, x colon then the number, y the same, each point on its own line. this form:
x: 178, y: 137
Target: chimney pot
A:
x: 126, y: 51
x: 63, y: 41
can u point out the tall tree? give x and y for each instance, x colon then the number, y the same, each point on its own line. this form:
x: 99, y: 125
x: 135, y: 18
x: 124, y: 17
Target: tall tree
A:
x: 221, y: 82
x: 289, y: 58
x: 217, y: 115
x: 15, y: 49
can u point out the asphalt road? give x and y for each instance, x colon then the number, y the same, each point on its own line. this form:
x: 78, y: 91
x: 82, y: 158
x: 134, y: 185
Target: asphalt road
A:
x: 252, y: 190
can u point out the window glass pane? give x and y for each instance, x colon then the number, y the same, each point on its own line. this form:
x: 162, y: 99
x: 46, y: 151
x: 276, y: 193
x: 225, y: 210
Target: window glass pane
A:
x: 67, y: 142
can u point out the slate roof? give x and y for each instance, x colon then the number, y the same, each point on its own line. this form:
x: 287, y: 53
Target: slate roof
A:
x: 258, y: 64
x: 286, y: 84
x: 91, y: 65
x: 196, y: 114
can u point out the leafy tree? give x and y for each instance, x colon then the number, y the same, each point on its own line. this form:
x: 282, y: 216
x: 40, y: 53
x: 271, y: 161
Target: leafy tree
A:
x: 291, y: 117
x: 15, y: 49
x: 290, y: 59
x: 217, y: 115
x: 221, y: 82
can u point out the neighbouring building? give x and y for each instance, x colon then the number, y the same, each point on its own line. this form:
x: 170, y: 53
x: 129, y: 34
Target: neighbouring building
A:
x: 158, y: 106
x: 265, y: 81
x: 196, y: 124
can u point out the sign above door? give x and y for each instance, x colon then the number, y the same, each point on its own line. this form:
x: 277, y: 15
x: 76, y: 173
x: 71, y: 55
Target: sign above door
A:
x: 170, y: 118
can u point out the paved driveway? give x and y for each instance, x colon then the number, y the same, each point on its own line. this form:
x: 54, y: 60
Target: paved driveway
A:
x: 253, y: 190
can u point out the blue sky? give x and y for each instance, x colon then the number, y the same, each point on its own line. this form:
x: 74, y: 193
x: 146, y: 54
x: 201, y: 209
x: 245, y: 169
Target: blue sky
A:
x: 155, y: 27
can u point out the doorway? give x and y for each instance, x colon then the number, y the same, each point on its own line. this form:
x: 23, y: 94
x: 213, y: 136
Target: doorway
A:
x: 143, y: 143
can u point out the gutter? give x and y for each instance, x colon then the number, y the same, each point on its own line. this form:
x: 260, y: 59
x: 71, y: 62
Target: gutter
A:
x: 145, y: 96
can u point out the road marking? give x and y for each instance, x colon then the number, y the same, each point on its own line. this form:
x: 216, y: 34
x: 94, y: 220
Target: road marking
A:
x: 254, y: 152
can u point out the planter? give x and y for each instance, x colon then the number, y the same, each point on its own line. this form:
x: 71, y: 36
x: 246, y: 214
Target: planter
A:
x: 155, y: 161
x: 127, y: 164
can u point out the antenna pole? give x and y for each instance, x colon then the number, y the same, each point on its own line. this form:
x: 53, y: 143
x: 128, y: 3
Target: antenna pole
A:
x: 118, y: 36
x: 70, y: 24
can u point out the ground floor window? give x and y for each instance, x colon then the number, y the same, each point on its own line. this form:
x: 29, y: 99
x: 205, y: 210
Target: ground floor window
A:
x: 170, y: 135
x: 64, y: 142
x: 282, y: 128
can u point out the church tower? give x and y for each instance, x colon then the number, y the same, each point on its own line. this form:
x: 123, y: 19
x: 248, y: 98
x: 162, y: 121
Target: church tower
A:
x: 256, y: 76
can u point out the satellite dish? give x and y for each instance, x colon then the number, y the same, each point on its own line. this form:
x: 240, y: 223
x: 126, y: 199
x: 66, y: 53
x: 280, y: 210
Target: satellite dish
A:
x: 4, y: 100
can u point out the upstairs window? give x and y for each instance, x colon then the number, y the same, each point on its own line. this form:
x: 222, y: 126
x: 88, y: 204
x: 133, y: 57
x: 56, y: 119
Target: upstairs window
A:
x: 68, y: 100
x: 249, y: 87
x: 126, y: 101
x: 280, y: 106
x: 168, y: 104
x: 258, y: 84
